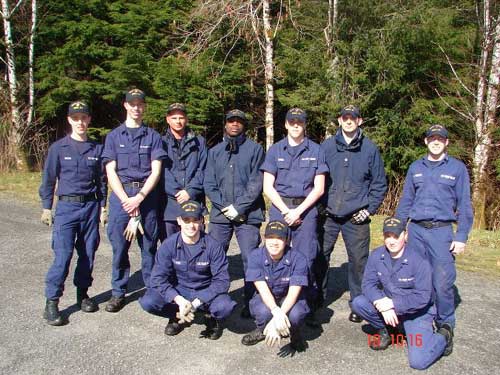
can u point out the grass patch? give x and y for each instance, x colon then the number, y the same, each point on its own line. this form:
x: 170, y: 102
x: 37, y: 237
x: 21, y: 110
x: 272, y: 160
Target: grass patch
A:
x: 21, y: 185
x: 482, y: 254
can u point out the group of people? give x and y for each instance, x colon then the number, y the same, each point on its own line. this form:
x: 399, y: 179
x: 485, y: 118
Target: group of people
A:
x: 159, y: 185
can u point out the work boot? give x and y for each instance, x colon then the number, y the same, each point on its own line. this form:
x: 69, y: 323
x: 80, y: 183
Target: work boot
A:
x: 52, y: 314
x: 84, y: 302
x: 297, y: 342
x: 355, y: 318
x: 447, y: 331
x: 213, y: 330
x: 173, y: 327
x: 253, y: 337
x: 115, y: 304
x: 382, y: 341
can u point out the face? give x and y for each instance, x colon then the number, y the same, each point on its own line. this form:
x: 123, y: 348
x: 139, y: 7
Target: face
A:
x: 135, y: 109
x: 275, y: 246
x: 190, y: 226
x: 234, y: 126
x: 436, y: 144
x: 349, y: 123
x: 394, y: 243
x: 295, y: 128
x: 177, y: 120
x: 79, y: 123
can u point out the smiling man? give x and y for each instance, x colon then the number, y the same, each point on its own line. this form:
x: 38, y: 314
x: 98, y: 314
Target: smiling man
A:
x: 436, y: 194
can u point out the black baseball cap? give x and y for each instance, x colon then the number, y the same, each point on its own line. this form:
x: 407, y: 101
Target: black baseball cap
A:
x: 394, y: 225
x: 350, y: 110
x: 135, y: 94
x: 176, y: 107
x: 277, y: 228
x: 191, y: 209
x: 236, y: 113
x: 296, y: 114
x: 437, y: 130
x: 78, y: 107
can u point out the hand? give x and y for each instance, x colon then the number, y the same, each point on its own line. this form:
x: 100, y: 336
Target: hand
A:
x: 185, y: 307
x: 196, y: 303
x: 133, y: 225
x: 272, y: 335
x: 383, y: 304
x: 292, y: 217
x: 390, y: 317
x: 182, y: 196
x: 230, y: 212
x: 103, y: 218
x: 457, y: 247
x: 132, y: 203
x: 46, y: 217
x: 360, y: 217
x: 281, y: 322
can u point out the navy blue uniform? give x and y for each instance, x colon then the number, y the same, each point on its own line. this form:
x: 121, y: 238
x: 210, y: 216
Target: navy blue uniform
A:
x: 133, y: 156
x: 294, y: 173
x: 232, y: 176
x: 408, y: 282
x: 77, y: 169
x: 183, y: 169
x: 290, y: 270
x: 200, y: 272
x: 434, y: 196
x: 357, y: 181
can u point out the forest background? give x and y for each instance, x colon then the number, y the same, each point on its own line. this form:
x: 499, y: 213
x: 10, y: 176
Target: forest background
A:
x: 406, y: 64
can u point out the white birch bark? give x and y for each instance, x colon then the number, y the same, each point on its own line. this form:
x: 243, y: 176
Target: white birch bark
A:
x: 269, y: 72
x: 31, y: 62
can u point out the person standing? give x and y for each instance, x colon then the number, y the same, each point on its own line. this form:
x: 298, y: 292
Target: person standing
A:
x: 133, y: 156
x: 355, y: 189
x: 436, y: 194
x: 233, y: 183
x: 183, y: 169
x: 74, y: 164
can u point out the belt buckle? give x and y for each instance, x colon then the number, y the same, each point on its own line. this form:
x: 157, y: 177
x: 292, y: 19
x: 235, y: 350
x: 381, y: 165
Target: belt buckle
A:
x: 428, y: 225
x: 136, y: 185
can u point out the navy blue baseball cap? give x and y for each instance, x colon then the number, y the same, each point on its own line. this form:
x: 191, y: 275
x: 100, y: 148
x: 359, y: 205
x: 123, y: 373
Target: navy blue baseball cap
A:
x: 78, y: 107
x: 236, y: 113
x: 437, y: 130
x: 277, y: 228
x: 296, y: 114
x: 191, y: 209
x: 135, y: 94
x: 394, y: 225
x: 350, y: 110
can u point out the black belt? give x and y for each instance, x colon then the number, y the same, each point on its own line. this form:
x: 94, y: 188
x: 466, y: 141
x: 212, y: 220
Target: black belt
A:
x: 427, y: 224
x: 134, y: 184
x: 78, y: 198
x: 292, y: 201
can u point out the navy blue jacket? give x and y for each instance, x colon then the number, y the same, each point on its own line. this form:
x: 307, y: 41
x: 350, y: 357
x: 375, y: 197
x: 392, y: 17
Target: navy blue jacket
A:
x: 183, y: 169
x: 290, y: 270
x: 408, y: 283
x: 133, y: 156
x: 75, y: 173
x: 205, y: 272
x: 233, y: 177
x: 357, y: 178
x: 438, y: 193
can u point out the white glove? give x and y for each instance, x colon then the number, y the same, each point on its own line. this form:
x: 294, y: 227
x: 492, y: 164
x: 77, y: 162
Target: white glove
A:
x: 360, y: 216
x: 196, y: 303
x: 272, y: 335
x: 133, y: 225
x: 185, y: 307
x: 281, y: 321
x: 46, y: 217
x: 230, y: 212
x: 103, y: 217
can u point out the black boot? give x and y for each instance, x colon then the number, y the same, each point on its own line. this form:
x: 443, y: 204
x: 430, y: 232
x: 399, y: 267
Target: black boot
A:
x: 447, y: 331
x: 173, y: 327
x: 213, y: 330
x: 84, y: 302
x: 253, y: 337
x: 52, y: 313
x: 381, y: 341
x: 115, y: 304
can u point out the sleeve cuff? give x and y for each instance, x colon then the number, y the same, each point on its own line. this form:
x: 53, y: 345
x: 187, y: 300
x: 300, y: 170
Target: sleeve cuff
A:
x: 298, y: 280
x: 461, y: 237
x: 47, y: 204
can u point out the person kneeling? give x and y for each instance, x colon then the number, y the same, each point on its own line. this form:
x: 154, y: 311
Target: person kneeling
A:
x: 397, y: 288
x: 279, y: 273
x: 190, y: 274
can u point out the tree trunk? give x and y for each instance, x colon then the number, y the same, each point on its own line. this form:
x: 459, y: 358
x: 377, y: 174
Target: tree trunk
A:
x: 269, y: 71
x: 31, y: 62
x: 15, y: 136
